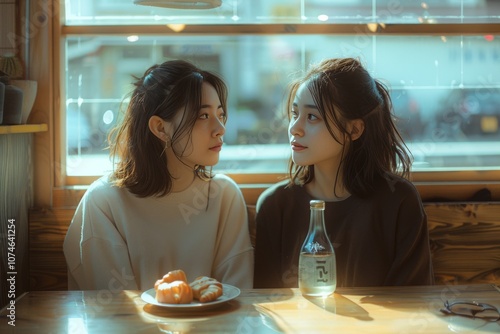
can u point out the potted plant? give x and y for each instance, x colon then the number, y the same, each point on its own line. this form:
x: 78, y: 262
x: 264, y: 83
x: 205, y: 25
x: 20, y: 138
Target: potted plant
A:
x: 13, y: 67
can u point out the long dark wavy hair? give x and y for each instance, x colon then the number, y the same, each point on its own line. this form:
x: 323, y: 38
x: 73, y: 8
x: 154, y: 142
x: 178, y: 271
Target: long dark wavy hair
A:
x: 343, y: 90
x: 164, y: 90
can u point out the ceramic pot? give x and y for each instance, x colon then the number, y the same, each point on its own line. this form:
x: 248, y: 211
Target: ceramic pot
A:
x: 12, y: 105
x: 29, y: 88
x: 2, y: 95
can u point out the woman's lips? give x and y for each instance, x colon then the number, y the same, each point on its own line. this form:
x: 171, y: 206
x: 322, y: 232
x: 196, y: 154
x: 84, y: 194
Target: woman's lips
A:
x: 216, y: 148
x: 297, y: 147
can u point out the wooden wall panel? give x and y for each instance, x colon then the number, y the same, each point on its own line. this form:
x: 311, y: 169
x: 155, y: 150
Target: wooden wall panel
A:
x: 47, y: 231
x: 16, y: 197
x: 465, y: 244
x: 7, y: 27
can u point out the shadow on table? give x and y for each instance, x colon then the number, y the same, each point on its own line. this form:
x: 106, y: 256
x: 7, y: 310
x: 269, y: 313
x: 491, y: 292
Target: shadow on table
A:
x: 224, y: 318
x: 158, y: 311
x: 340, y: 305
x: 187, y: 321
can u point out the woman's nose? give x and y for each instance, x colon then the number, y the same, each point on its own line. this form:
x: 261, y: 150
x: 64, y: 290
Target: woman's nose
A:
x: 220, y: 129
x: 295, y: 128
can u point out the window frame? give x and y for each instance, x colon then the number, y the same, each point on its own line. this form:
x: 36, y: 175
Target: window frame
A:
x: 451, y: 184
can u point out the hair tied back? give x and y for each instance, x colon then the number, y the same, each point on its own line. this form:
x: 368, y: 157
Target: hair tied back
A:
x: 148, y: 79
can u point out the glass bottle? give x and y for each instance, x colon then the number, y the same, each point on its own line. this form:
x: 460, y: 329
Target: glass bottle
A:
x: 317, y: 266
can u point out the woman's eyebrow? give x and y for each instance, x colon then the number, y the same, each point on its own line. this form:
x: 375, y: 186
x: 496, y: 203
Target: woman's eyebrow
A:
x: 209, y: 106
x: 307, y: 106
x: 311, y: 106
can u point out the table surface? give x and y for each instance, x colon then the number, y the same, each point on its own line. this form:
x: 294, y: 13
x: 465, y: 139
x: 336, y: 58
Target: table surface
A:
x: 348, y: 310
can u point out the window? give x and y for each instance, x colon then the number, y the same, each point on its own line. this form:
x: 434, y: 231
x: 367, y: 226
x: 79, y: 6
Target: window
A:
x: 441, y: 61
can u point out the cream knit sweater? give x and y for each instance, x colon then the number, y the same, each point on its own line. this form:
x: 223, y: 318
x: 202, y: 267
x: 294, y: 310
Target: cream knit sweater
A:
x: 119, y: 241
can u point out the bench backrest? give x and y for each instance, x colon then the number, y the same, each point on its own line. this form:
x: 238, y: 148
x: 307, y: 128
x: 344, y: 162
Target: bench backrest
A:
x: 465, y: 243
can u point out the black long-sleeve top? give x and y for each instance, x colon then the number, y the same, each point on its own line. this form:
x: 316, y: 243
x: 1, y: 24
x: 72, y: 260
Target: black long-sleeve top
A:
x: 379, y: 240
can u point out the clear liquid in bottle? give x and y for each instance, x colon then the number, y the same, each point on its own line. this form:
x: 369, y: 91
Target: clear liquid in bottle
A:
x: 317, y: 265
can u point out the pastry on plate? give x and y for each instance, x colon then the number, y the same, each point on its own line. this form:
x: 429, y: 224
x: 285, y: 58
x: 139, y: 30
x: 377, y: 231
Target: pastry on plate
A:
x: 171, y: 276
x: 176, y: 292
x: 206, y: 289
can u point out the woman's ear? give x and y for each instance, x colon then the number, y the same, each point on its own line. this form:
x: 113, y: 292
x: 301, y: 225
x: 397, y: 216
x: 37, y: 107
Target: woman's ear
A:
x: 157, y: 127
x: 356, y: 128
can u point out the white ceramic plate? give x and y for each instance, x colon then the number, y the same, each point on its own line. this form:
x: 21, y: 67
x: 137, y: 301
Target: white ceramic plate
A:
x: 229, y: 292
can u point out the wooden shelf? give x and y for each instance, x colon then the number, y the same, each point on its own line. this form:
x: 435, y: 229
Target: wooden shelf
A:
x: 23, y: 128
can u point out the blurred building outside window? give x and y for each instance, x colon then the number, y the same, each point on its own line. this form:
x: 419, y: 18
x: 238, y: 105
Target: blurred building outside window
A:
x: 445, y: 88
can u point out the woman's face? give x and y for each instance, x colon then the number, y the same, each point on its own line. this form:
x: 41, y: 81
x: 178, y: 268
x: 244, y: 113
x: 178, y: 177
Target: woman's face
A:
x: 206, y: 138
x: 311, y: 142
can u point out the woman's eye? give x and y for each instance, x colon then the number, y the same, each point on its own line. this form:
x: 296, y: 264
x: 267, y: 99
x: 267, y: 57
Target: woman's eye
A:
x: 312, y: 117
x: 204, y: 116
x: 223, y: 116
x: 293, y: 113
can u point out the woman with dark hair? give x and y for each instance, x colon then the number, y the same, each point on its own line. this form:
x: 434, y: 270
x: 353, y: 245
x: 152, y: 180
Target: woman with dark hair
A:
x: 346, y: 151
x: 162, y: 209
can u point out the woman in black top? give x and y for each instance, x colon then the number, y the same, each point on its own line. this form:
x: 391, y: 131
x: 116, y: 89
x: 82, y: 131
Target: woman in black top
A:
x: 347, y: 151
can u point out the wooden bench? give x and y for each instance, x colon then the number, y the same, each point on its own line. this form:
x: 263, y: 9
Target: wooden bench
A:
x: 465, y: 243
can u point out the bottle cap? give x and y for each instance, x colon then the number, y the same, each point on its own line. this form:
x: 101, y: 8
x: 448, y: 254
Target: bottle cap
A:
x: 317, y: 204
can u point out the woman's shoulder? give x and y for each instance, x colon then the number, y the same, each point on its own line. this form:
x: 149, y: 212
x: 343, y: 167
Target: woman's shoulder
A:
x: 396, y: 183
x: 280, y: 192
x: 102, y: 189
x: 224, y: 185
x: 101, y: 184
x: 224, y: 181
x: 394, y: 188
x: 281, y: 187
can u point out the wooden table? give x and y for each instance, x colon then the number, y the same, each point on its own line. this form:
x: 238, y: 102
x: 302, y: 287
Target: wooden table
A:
x: 353, y: 310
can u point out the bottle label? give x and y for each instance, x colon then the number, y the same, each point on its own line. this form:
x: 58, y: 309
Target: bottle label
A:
x: 314, y: 247
x: 317, y: 273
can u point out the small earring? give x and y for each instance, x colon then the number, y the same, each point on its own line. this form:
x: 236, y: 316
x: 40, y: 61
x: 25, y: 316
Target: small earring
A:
x: 168, y: 142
